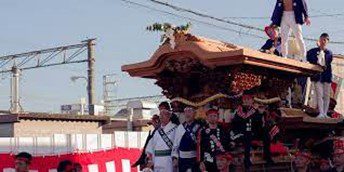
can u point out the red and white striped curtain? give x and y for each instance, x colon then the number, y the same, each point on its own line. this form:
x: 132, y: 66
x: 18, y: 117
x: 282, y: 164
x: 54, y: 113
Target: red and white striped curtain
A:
x: 114, y: 160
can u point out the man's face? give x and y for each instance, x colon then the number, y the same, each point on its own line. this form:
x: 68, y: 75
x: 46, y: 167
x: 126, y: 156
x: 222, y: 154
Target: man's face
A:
x: 77, y: 168
x: 189, y: 114
x: 247, y: 100
x: 165, y: 116
x: 338, y: 157
x: 301, y: 161
x: 261, y: 109
x: 222, y: 163
x: 21, y: 165
x: 323, y: 41
x: 212, y: 118
x: 238, y: 160
x: 325, y: 166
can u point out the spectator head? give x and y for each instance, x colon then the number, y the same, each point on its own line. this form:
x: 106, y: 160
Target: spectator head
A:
x: 65, y: 166
x: 302, y: 159
x: 23, y: 161
x: 324, y: 40
x: 325, y: 165
x: 189, y: 113
x: 165, y: 112
x: 223, y: 161
x: 77, y: 167
x: 212, y: 116
x: 338, y: 156
x: 164, y: 105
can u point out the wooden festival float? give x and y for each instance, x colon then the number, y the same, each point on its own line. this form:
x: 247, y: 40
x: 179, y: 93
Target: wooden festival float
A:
x: 202, y: 72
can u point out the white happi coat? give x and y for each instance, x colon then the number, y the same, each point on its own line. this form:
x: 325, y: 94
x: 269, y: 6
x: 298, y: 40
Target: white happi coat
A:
x: 162, y: 163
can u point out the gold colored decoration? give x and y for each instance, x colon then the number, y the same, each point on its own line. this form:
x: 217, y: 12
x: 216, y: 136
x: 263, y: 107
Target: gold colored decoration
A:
x: 267, y: 101
x: 204, y: 102
x: 245, y: 81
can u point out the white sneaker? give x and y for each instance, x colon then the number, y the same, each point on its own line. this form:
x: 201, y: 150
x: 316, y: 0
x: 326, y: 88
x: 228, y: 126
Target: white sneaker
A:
x: 325, y: 116
x: 321, y: 116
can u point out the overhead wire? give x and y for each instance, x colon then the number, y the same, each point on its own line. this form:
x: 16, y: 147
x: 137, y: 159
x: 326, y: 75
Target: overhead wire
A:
x: 240, y: 32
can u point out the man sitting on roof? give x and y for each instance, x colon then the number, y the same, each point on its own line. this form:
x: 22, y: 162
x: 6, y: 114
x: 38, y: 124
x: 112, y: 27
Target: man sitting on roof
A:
x: 323, y: 57
x: 273, y: 44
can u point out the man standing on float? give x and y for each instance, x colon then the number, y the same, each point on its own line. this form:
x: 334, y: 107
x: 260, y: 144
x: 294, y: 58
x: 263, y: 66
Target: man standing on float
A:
x: 291, y: 15
x: 184, y: 153
x: 323, y: 57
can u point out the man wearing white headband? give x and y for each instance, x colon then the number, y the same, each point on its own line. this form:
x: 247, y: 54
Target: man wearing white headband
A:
x: 160, y: 147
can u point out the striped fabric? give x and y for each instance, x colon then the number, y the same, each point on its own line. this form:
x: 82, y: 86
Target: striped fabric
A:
x: 110, y: 167
x: 274, y: 131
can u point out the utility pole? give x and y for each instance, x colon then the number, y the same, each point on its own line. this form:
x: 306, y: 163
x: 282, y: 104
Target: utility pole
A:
x: 90, y: 75
x: 15, y: 98
x: 110, y: 83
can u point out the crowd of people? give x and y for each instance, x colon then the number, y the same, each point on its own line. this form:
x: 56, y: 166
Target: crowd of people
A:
x: 194, y: 144
x: 23, y: 161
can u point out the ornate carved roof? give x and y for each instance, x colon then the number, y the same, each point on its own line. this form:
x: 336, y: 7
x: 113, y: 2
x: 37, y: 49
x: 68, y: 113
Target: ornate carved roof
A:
x: 213, y: 53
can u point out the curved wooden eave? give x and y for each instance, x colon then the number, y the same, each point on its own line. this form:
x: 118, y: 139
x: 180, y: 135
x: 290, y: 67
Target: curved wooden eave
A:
x: 214, y: 53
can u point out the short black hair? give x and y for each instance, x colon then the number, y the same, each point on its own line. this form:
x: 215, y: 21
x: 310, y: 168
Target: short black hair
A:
x: 325, y: 35
x: 166, y: 105
x: 24, y: 155
x: 63, y: 164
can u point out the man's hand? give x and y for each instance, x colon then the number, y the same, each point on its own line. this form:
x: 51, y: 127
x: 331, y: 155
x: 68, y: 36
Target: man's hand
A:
x: 202, y: 166
x: 307, y: 21
x: 174, y: 162
x: 150, y: 164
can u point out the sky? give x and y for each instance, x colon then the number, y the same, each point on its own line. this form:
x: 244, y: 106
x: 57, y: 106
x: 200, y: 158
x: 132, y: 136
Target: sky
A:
x: 122, y: 39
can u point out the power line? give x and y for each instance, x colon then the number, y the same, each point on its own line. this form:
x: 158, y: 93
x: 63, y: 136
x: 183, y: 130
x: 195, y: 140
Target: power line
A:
x: 264, y: 18
x: 195, y: 20
x: 223, y: 20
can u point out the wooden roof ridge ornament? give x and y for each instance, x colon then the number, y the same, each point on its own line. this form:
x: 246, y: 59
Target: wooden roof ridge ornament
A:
x: 195, y: 68
x: 171, y: 32
x: 213, y: 53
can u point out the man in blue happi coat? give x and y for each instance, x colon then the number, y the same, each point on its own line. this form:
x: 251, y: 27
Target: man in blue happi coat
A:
x: 291, y: 15
x: 185, y: 143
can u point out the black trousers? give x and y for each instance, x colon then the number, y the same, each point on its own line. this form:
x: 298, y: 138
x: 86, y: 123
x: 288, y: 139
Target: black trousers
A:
x: 248, y: 146
x: 188, y: 163
x: 211, y: 167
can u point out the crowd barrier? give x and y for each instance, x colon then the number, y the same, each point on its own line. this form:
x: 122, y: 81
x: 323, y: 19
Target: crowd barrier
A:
x: 95, y: 152
x: 111, y: 160
x: 70, y: 143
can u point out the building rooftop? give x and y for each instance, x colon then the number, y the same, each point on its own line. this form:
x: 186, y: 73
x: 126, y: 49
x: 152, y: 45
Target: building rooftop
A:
x: 11, y: 118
